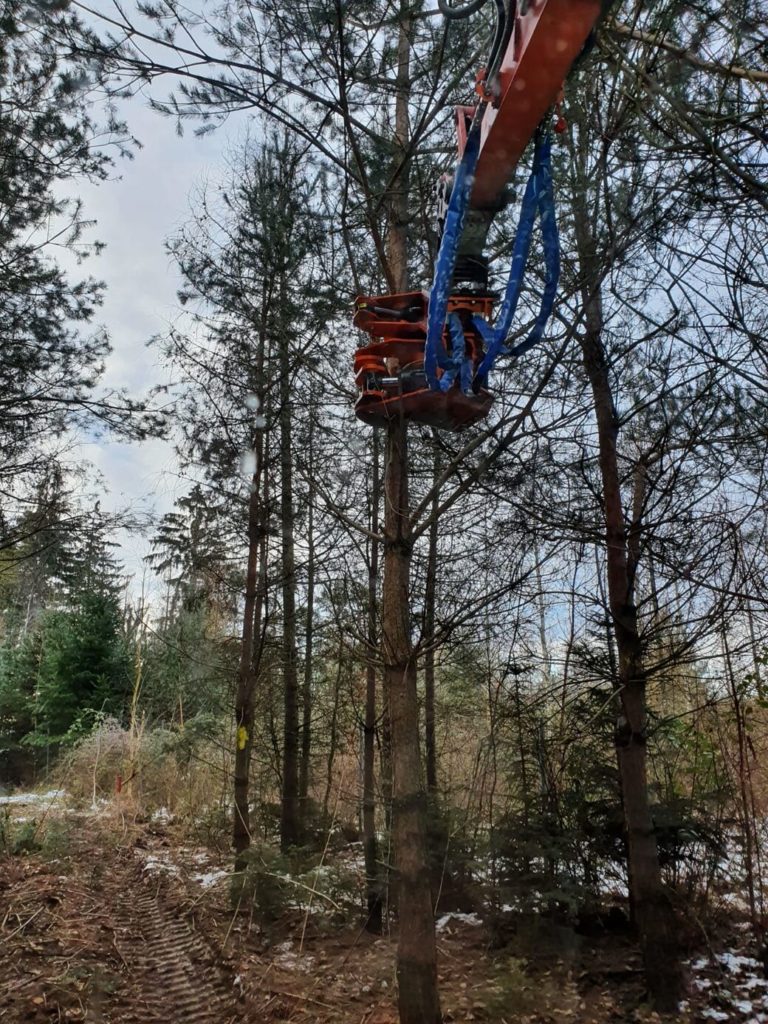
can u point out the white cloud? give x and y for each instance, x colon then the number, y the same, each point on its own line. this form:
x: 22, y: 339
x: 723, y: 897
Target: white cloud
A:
x: 136, y: 211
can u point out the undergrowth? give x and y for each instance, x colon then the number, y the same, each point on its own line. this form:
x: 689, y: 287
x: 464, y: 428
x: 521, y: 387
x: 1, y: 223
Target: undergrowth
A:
x: 49, y: 837
x: 274, y: 884
x: 183, y: 771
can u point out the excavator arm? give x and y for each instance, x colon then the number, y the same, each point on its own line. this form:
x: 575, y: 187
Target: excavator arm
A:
x: 548, y: 37
x: 546, y: 40
x: 427, y: 350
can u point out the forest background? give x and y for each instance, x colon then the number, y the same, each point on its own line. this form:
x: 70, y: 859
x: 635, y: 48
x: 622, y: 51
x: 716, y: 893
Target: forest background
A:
x: 566, y: 614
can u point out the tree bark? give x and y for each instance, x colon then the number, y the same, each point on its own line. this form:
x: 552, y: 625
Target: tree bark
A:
x: 418, y: 999
x: 306, y: 695
x: 255, y: 580
x: 290, y: 826
x: 241, y: 830
x: 333, y: 730
x: 430, y: 594
x: 385, y: 759
x: 744, y: 780
x: 652, y: 910
x: 373, y: 882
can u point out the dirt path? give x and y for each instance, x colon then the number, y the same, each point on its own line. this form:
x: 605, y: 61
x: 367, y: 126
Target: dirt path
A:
x: 112, y: 924
x: 104, y: 942
x: 170, y: 971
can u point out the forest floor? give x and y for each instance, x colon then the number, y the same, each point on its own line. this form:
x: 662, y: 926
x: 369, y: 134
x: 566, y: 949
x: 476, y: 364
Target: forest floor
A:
x: 110, y: 921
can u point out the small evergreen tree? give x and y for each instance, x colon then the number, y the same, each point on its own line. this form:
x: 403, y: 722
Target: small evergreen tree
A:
x: 70, y: 664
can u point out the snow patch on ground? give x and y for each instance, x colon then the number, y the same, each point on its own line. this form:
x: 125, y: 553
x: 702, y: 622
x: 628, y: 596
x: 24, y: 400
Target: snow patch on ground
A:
x: 207, y: 879
x: 733, y: 962
x: 52, y: 796
x: 161, y: 862
x: 290, y: 960
x: 156, y: 866
x: 734, y: 984
x: 444, y: 921
x: 157, y: 863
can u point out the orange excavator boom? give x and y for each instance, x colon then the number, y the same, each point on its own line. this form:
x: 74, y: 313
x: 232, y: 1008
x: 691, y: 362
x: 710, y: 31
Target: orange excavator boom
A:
x: 429, y: 355
x: 546, y: 41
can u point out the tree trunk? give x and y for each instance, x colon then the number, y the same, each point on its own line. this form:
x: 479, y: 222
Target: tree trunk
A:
x: 430, y: 593
x: 241, y: 831
x: 744, y: 780
x: 290, y: 828
x: 255, y: 581
x: 306, y: 696
x: 652, y: 910
x: 373, y: 885
x: 418, y: 999
x: 385, y: 759
x: 416, y: 951
x: 333, y: 730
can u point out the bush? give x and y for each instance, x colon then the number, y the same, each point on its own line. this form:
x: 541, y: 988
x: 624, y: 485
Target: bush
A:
x: 514, y: 994
x: 159, y: 769
x: 274, y: 884
x: 49, y: 836
x: 261, y: 888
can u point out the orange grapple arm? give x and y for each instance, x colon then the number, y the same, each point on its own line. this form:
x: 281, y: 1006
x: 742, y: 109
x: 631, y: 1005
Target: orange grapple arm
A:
x: 547, y: 38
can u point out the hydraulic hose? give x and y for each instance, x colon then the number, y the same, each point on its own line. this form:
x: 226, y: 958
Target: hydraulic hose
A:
x: 460, y: 12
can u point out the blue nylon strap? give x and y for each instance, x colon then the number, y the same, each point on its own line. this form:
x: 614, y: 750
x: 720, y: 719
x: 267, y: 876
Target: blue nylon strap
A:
x: 467, y: 368
x: 434, y: 350
x: 458, y: 365
x: 538, y: 198
x: 551, y: 245
x: 520, y: 252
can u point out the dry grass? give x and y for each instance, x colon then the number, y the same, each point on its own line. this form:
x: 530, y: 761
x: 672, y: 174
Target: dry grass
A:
x: 145, y: 771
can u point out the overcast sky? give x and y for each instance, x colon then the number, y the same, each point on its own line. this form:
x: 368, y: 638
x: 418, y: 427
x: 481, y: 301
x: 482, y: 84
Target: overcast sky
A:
x: 144, y: 203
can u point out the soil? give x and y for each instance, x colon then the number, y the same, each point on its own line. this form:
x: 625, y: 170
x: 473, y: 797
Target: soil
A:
x: 121, y: 924
x: 91, y: 936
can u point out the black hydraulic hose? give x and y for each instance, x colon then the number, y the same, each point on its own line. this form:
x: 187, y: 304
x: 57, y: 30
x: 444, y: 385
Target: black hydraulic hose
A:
x: 509, y: 24
x: 460, y: 12
x: 498, y: 37
x: 505, y: 20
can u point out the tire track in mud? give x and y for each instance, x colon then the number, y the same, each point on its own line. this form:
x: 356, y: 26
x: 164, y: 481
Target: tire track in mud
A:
x: 170, y: 977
